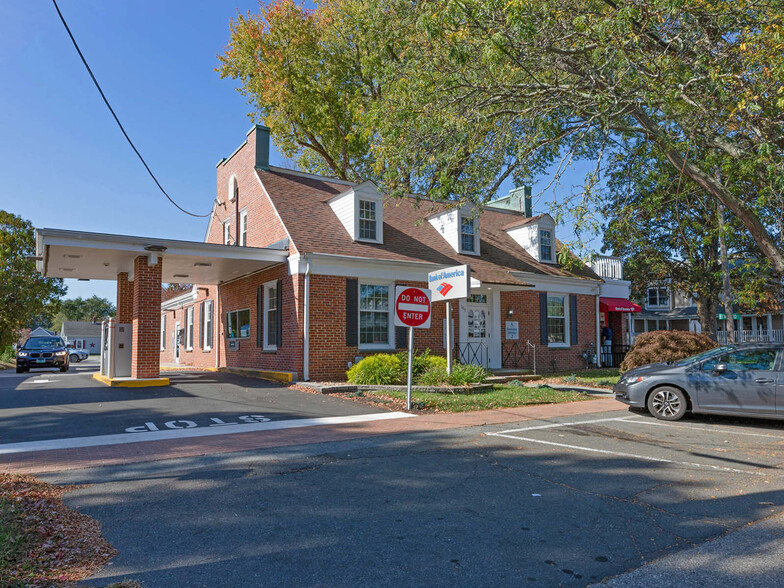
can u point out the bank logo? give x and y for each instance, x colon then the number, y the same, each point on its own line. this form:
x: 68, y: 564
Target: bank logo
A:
x: 444, y: 288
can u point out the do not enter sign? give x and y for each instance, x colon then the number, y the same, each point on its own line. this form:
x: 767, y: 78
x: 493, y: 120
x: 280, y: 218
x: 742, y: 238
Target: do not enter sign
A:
x: 412, y: 307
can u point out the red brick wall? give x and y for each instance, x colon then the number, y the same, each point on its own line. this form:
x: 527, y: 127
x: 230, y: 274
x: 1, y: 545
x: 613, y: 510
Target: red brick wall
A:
x: 146, y: 318
x: 525, y: 305
x: 264, y: 227
x: 124, y: 298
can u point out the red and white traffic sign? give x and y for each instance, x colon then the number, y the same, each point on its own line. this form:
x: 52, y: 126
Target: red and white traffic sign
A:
x: 412, y: 307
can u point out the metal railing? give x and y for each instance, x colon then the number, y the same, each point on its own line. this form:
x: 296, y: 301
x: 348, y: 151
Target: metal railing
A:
x: 607, y: 267
x: 612, y: 355
x: 476, y: 353
x: 756, y: 336
x: 516, y: 354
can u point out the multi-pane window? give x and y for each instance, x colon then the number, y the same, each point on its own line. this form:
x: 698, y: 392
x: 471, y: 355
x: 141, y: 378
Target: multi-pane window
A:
x: 243, y: 228
x: 271, y: 315
x: 467, y: 235
x: 373, y: 315
x: 545, y: 245
x: 189, y: 329
x: 238, y: 324
x: 658, y: 297
x: 367, y: 220
x: 206, y: 328
x: 556, y: 319
x: 163, y: 332
x: 227, y: 232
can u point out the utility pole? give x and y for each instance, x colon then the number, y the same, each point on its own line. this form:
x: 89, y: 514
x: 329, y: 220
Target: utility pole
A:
x: 729, y: 311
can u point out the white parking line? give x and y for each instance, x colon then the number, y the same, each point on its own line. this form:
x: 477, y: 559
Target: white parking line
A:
x: 121, y: 438
x: 709, y: 430
x: 556, y: 425
x: 631, y: 455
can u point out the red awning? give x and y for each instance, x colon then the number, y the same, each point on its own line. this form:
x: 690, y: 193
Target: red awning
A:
x: 618, y: 305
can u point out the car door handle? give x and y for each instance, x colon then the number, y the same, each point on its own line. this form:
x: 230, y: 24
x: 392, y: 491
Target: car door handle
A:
x: 764, y: 381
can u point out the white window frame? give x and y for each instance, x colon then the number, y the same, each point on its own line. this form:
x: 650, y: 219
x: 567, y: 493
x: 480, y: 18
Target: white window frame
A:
x: 375, y: 205
x: 189, y: 328
x: 567, y: 319
x: 243, y: 227
x: 265, y: 344
x: 549, y: 244
x: 227, y: 231
x: 163, y: 332
x: 206, y: 342
x: 658, y: 298
x: 390, y: 344
x: 233, y: 189
x: 237, y: 312
x: 475, y: 223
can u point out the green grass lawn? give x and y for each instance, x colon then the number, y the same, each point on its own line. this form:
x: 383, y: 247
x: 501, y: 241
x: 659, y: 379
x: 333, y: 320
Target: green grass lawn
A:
x: 602, y: 377
x: 500, y: 397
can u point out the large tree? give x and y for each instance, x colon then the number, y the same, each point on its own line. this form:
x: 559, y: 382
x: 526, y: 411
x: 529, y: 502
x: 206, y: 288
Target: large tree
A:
x: 453, y: 98
x: 93, y: 309
x: 24, y: 293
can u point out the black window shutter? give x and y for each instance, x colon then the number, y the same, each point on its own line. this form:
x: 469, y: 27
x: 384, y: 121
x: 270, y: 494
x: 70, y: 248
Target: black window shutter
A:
x: 401, y: 338
x: 543, y: 316
x: 352, y: 312
x: 259, y: 315
x: 573, y: 317
x: 279, y: 311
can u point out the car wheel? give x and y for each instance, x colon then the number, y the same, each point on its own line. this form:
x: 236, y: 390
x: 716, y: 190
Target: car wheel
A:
x: 667, y: 403
x: 74, y: 357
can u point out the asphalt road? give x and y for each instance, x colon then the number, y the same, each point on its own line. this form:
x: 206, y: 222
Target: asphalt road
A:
x: 568, y: 502
x: 46, y: 404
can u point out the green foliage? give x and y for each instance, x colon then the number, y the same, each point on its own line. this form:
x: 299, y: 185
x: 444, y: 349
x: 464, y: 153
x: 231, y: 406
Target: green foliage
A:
x: 93, y: 309
x: 380, y: 369
x: 660, y: 346
x: 462, y: 375
x: 421, y: 363
x: 24, y: 293
x: 7, y: 354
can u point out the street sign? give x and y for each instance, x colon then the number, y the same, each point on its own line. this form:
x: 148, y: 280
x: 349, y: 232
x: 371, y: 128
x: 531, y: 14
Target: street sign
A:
x: 412, y: 307
x: 450, y: 283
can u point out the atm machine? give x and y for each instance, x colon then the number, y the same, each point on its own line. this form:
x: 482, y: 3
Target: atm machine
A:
x: 116, y: 342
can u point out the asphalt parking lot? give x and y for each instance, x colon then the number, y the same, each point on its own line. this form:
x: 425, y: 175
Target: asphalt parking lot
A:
x: 46, y: 404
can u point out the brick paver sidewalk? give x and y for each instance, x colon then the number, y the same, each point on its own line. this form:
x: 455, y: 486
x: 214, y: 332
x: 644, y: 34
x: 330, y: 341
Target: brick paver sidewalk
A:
x: 84, y: 457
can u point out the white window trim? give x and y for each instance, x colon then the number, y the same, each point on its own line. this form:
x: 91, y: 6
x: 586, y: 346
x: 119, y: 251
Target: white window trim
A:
x: 189, y: 329
x: 379, y: 219
x: 657, y: 306
x: 228, y: 312
x: 227, y: 231
x: 163, y: 332
x: 551, y: 258
x: 232, y: 188
x: 243, y: 228
x: 264, y: 344
x: 206, y: 344
x: 567, y: 320
x: 390, y: 329
x: 460, y: 218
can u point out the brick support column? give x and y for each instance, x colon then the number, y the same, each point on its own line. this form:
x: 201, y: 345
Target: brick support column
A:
x: 124, y: 298
x: 146, y: 359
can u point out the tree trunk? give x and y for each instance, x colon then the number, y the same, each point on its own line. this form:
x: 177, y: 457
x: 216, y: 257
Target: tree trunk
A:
x: 706, y: 312
x: 729, y: 315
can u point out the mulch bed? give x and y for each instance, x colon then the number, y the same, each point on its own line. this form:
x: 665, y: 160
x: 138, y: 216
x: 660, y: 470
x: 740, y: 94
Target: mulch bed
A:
x: 42, y: 541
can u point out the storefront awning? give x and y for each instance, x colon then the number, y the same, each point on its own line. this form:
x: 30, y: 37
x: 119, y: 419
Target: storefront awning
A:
x: 618, y: 305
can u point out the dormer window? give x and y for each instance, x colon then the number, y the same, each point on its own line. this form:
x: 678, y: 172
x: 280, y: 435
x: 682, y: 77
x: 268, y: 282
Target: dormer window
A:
x: 467, y: 235
x: 367, y: 220
x: 545, y: 245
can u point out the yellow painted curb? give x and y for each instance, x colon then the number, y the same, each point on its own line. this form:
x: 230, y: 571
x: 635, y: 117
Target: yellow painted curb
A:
x: 188, y: 368
x: 284, y: 377
x: 128, y: 383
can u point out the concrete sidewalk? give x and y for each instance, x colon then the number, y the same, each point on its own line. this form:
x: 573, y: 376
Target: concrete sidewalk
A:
x: 752, y: 557
x: 103, y: 455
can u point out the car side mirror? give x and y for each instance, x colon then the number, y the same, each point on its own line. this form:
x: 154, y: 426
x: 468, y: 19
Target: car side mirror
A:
x: 721, y: 368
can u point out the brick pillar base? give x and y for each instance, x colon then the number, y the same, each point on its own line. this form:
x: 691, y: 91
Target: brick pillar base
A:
x: 124, y: 298
x: 146, y: 361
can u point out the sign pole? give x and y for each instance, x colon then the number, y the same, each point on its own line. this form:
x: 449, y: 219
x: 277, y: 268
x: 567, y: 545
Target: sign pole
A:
x: 410, y: 366
x: 449, y: 338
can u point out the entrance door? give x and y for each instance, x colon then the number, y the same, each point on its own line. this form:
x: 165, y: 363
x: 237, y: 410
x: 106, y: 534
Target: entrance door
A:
x: 475, y: 330
x: 176, y: 342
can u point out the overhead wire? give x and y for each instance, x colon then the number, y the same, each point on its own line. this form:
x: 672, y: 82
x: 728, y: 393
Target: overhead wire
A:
x: 117, y: 120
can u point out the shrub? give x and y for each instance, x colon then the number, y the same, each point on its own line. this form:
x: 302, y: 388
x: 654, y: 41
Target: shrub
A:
x: 7, y: 355
x: 421, y: 363
x: 660, y: 346
x: 381, y: 369
x: 462, y: 374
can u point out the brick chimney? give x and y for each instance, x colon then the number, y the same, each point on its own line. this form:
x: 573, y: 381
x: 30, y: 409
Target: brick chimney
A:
x: 259, y: 136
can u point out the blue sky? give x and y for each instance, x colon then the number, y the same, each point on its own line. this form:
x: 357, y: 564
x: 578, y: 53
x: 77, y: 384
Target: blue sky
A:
x: 64, y: 162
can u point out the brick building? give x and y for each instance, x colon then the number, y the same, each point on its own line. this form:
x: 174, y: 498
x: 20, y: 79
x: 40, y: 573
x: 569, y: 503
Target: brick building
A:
x: 297, y: 272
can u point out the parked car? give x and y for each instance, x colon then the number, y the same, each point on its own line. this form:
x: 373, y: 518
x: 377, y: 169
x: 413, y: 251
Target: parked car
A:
x: 739, y: 380
x: 77, y: 355
x: 42, y: 352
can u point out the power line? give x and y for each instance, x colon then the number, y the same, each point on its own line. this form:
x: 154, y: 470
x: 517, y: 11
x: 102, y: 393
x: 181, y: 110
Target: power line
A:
x: 119, y: 124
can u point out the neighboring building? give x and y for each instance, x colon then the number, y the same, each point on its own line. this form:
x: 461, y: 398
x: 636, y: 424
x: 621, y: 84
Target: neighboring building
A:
x: 82, y: 335
x: 348, y: 245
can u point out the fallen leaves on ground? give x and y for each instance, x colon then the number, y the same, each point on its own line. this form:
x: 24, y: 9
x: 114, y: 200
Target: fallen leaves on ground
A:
x: 42, y: 541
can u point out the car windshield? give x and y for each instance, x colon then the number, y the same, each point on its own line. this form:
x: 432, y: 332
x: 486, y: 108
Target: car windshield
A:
x: 703, y: 355
x: 43, y: 343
